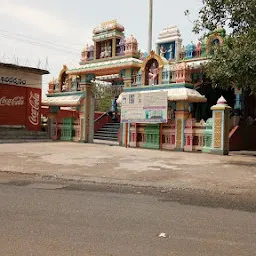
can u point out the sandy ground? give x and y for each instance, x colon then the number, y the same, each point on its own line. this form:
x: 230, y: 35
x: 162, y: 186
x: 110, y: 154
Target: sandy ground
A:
x: 138, y: 167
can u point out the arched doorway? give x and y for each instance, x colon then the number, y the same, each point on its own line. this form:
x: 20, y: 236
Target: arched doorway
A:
x: 152, y: 72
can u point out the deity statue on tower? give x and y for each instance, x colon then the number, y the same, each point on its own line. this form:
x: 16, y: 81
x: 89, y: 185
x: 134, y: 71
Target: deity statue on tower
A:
x: 109, y: 49
x: 153, y: 74
x: 171, y: 52
x: 102, y: 52
x: 162, y: 51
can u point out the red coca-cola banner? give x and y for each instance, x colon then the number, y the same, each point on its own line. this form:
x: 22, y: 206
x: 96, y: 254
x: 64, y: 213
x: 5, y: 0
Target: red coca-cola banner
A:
x: 33, y: 116
x: 12, y: 105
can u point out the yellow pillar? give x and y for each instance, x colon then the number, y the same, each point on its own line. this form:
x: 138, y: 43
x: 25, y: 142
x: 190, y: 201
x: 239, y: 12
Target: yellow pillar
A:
x: 114, y: 47
x: 128, y: 78
x: 95, y: 50
x: 221, y: 113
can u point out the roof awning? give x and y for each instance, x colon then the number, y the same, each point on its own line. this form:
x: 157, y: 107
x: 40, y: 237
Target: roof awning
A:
x: 174, y: 94
x: 62, y: 101
x: 105, y: 64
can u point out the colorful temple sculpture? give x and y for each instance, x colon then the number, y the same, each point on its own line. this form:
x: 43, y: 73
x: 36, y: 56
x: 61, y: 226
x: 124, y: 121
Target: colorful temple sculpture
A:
x: 113, y: 59
x: 183, y: 112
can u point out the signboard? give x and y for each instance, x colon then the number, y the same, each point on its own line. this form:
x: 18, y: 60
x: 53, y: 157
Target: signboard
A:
x: 12, y: 105
x: 20, y: 78
x: 20, y: 106
x: 148, y: 107
x: 33, y: 121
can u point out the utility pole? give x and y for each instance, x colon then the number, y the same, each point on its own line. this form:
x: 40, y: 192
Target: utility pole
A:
x: 150, y: 26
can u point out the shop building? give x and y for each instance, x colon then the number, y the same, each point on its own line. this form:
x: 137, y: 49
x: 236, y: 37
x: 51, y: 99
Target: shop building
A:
x: 20, y: 96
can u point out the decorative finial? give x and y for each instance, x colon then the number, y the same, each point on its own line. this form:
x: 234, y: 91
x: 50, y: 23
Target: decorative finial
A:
x: 222, y: 101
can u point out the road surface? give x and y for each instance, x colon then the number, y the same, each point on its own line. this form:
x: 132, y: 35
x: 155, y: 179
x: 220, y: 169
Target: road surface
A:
x: 46, y: 219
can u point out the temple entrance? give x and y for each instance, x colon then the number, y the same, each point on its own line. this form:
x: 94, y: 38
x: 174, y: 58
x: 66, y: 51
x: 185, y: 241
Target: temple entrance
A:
x: 202, y: 111
x: 107, y: 123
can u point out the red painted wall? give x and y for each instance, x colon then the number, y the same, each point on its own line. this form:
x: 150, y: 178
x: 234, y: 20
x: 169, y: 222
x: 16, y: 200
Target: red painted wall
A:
x: 74, y: 114
x: 104, y: 120
x: 61, y: 114
x: 33, y: 115
x: 20, y: 106
x: 242, y: 138
x: 13, y: 103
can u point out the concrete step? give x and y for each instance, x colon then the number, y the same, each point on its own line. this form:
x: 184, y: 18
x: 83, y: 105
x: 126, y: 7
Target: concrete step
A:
x: 100, y: 137
x: 113, y: 124
x: 24, y: 141
x: 106, y: 135
x: 24, y: 138
x: 108, y: 132
x: 106, y: 128
x: 106, y: 142
x: 17, y: 135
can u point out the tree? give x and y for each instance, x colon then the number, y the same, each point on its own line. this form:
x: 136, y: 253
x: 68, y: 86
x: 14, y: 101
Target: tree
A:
x: 103, y: 97
x: 232, y: 64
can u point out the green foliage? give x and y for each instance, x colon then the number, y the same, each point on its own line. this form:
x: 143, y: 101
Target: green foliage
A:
x: 103, y: 97
x: 234, y: 63
x: 238, y: 15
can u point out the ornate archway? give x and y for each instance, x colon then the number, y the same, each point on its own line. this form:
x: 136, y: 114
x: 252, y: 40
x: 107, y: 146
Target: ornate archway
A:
x: 153, y: 61
x: 212, y: 41
x: 62, y: 77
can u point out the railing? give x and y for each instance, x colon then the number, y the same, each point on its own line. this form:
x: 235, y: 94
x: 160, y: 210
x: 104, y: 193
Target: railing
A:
x: 100, y: 117
x: 101, y: 121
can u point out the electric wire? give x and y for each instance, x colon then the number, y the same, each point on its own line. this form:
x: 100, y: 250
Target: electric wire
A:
x: 42, y: 45
x: 44, y: 41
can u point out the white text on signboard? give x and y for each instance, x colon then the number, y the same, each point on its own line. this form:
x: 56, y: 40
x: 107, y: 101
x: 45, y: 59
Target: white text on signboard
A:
x: 16, y: 101
x: 34, y: 103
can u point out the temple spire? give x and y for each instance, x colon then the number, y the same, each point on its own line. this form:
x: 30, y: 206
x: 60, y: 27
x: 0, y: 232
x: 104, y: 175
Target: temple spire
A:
x: 150, y: 26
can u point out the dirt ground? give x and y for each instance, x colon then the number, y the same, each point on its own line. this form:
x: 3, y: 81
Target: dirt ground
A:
x: 191, y: 178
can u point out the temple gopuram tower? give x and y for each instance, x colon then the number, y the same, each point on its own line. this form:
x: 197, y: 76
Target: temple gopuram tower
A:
x: 168, y: 44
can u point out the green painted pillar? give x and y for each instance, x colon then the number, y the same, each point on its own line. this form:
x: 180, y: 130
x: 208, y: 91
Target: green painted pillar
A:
x: 221, y: 111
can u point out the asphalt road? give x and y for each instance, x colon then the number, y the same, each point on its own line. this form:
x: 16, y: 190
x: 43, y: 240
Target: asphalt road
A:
x: 37, y: 219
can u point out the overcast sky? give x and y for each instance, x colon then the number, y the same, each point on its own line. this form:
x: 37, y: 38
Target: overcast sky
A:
x: 58, y: 29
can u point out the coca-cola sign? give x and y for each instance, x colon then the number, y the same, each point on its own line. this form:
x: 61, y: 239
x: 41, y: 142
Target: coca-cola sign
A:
x: 16, y: 101
x: 34, y: 105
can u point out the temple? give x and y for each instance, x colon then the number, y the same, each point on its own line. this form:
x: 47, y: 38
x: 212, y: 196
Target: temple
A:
x: 198, y: 117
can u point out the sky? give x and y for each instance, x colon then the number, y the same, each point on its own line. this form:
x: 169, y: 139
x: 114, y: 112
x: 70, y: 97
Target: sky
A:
x: 52, y: 33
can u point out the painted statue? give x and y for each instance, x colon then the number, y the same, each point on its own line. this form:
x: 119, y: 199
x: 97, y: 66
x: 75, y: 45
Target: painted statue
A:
x: 107, y: 51
x: 109, y: 48
x: 171, y: 52
x: 153, y: 74
x: 102, y: 53
x: 66, y: 84
x: 162, y: 51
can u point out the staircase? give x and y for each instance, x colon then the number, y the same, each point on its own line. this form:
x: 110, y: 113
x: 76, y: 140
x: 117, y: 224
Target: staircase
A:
x: 109, y: 132
x: 16, y: 135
